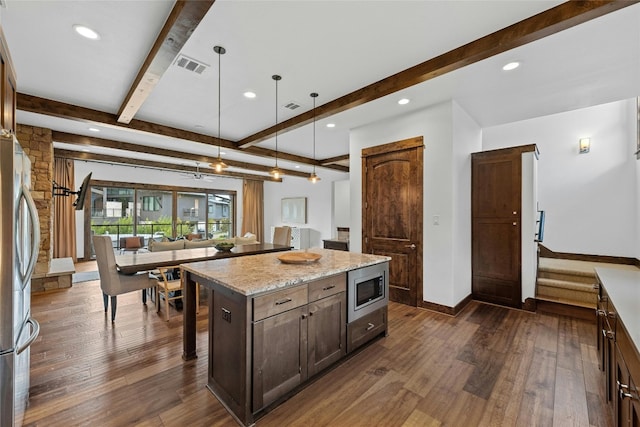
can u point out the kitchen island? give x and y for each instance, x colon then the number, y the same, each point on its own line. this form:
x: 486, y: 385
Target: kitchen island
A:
x: 272, y: 325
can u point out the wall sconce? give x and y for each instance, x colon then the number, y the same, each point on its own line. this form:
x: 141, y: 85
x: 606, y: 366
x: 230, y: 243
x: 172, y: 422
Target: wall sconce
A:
x: 585, y: 145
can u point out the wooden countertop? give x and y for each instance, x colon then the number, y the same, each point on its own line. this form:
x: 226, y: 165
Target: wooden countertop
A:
x: 252, y: 275
x: 623, y: 287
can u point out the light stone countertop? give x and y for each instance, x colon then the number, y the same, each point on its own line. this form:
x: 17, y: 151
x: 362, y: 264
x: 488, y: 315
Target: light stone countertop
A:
x: 256, y: 274
x: 623, y: 287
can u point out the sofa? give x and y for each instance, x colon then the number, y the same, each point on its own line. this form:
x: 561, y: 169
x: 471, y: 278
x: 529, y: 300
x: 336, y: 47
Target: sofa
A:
x: 154, y: 246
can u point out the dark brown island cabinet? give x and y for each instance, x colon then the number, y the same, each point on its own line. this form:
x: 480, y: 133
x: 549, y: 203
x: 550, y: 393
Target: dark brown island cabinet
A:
x: 618, y: 336
x: 273, y: 326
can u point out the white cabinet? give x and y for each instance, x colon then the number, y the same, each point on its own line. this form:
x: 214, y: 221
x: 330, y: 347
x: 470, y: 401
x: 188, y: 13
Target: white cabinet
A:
x: 299, y: 237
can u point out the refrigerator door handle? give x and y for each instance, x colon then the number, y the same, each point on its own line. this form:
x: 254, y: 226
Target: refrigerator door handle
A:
x: 35, y: 235
x: 34, y: 334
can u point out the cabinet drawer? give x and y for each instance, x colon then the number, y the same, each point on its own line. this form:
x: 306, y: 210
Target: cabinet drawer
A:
x: 327, y: 286
x: 278, y: 302
x: 363, y: 330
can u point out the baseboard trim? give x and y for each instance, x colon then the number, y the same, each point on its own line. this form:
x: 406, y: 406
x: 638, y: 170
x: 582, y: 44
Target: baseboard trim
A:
x: 529, y: 305
x: 445, y: 309
x: 548, y: 253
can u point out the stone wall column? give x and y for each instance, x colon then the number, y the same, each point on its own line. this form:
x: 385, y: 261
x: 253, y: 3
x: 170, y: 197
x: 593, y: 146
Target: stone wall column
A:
x: 38, y: 145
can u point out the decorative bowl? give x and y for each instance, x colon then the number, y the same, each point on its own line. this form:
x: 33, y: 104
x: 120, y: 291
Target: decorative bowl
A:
x: 224, y: 246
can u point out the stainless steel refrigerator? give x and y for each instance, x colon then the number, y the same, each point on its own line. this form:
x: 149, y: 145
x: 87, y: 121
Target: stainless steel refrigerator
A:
x: 19, y: 246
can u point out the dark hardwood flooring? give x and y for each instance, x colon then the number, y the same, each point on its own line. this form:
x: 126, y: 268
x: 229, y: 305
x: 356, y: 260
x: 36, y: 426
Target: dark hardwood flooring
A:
x: 489, y: 366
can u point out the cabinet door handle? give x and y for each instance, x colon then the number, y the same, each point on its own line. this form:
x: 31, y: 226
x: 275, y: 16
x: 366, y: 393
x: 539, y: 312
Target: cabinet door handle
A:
x: 326, y: 288
x: 621, y: 390
x: 304, y: 316
x: 370, y: 326
x: 283, y: 301
x: 608, y: 334
x: 600, y: 312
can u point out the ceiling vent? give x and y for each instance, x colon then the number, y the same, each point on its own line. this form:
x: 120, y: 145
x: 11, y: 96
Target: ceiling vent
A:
x: 190, y: 64
x: 291, y: 105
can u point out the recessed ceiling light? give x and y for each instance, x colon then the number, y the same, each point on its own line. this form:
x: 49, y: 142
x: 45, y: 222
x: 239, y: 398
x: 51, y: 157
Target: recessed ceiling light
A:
x: 297, y: 166
x: 250, y: 95
x: 403, y: 101
x: 331, y: 125
x: 222, y: 153
x: 198, y: 126
x: 86, y: 150
x: 511, y: 66
x: 94, y: 129
x: 86, y: 32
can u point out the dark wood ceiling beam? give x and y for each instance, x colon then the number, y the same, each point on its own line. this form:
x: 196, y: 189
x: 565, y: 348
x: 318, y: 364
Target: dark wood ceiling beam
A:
x: 80, y: 155
x: 554, y: 20
x: 335, y: 159
x: 53, y: 108
x: 70, y: 138
x: 62, y: 110
x: 182, y: 21
x: 264, y: 152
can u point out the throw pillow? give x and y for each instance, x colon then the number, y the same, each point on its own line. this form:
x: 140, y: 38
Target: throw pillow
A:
x: 132, y: 243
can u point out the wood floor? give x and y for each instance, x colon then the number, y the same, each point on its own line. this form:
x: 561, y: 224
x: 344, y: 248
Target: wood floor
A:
x: 489, y: 366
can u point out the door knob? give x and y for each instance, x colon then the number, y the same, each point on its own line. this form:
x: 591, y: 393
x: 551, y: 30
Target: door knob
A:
x: 412, y: 246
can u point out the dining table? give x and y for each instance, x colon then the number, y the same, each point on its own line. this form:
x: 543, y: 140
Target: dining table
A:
x: 132, y: 263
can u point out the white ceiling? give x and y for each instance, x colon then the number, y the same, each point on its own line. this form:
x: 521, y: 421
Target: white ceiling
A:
x: 329, y: 47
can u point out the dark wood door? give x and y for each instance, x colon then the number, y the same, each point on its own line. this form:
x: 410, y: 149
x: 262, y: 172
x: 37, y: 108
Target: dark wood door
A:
x: 622, y: 408
x: 392, y: 213
x: 7, y: 89
x: 634, y: 403
x: 496, y: 202
x: 327, y: 332
x: 279, y: 355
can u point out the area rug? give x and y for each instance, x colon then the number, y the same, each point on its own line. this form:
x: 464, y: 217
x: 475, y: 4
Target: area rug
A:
x: 85, y: 276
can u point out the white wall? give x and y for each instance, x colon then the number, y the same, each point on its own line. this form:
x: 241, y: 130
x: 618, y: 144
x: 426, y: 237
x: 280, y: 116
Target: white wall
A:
x: 122, y: 173
x: 528, y: 229
x: 449, y: 136
x: 319, y: 203
x: 467, y: 138
x: 341, y: 205
x: 590, y: 199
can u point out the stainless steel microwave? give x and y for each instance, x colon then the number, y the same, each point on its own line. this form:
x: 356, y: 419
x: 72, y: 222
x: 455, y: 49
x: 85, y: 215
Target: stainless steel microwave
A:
x: 367, y: 290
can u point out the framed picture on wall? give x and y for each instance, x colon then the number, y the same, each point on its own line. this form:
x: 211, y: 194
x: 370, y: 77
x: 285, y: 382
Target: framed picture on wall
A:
x: 294, y: 210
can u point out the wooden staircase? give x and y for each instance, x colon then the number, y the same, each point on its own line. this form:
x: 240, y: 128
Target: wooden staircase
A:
x: 570, y: 282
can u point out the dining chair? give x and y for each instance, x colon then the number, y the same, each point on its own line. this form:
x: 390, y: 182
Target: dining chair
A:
x: 282, y: 236
x: 170, y: 288
x: 114, y: 283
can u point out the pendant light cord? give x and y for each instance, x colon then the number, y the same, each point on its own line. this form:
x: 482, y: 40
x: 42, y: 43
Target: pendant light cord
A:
x: 219, y: 96
x: 276, y: 79
x: 314, y: 133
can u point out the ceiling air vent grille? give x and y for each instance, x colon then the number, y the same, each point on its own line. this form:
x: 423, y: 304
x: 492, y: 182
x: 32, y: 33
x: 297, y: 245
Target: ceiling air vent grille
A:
x: 291, y: 105
x: 190, y: 64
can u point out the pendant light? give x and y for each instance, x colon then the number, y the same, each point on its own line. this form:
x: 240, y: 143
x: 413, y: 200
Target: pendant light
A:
x: 313, y: 177
x: 276, y: 172
x: 219, y: 165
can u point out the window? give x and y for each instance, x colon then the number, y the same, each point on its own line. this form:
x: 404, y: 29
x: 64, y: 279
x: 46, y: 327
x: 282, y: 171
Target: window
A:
x: 151, y: 203
x: 220, y: 208
x: 160, y: 213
